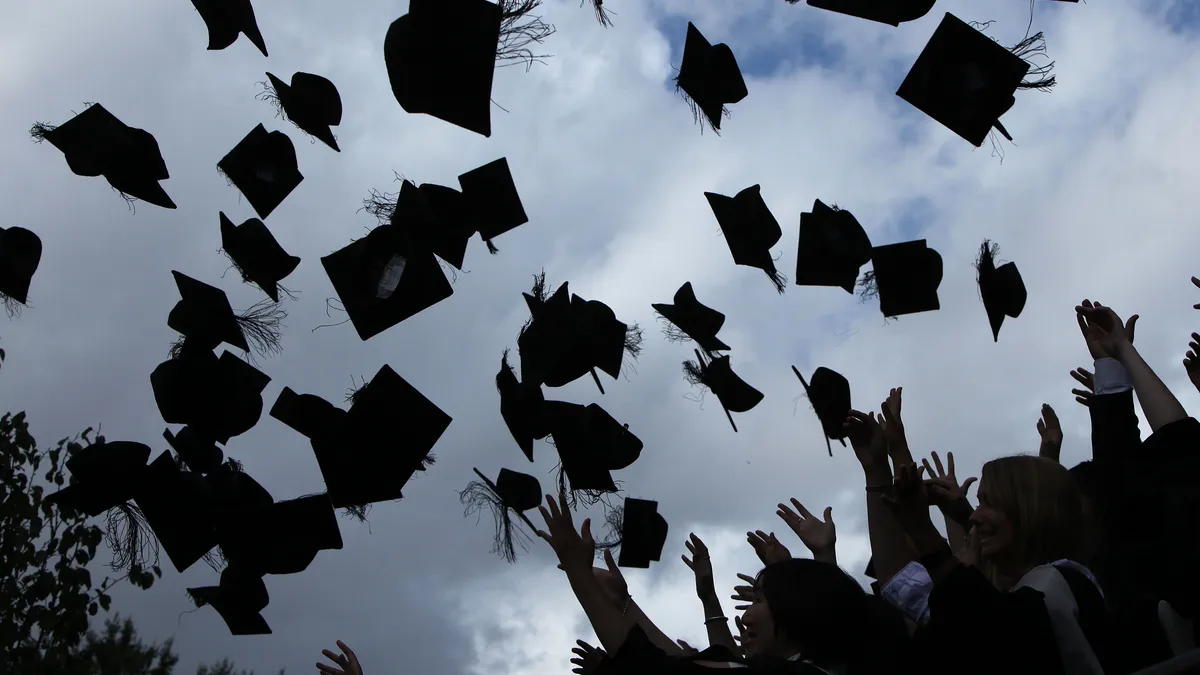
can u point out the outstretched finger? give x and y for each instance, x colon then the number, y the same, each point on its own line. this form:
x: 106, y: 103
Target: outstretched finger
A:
x: 937, y: 461
x: 927, y: 467
x: 950, y: 463
x: 800, y: 508
x: 967, y: 485
x: 688, y: 563
x: 746, y: 578
x: 1051, y: 416
x: 330, y: 671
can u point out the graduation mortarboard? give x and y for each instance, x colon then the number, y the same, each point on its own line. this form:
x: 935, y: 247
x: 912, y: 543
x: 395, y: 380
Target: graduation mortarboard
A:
x: 717, y: 375
x: 906, y: 277
x: 514, y: 491
x: 434, y: 218
x: 966, y: 81
x: 281, y: 537
x: 891, y: 12
x: 204, y: 315
x: 311, y: 102
x: 179, y: 507
x: 709, y: 77
x: 596, y: 339
x: 691, y: 320
x: 218, y: 398
x: 750, y: 229
x: 441, y: 58
x: 239, y: 599
x: 829, y: 393
x: 311, y: 416
x: 521, y: 408
x: 387, y: 436
x: 103, y: 475
x: 586, y: 452
x: 263, y: 166
x: 20, y: 254
x: 226, y: 19
x: 491, y: 194
x: 96, y: 143
x: 383, y: 279
x: 643, y: 533
x: 200, y: 454
x: 1002, y: 289
x: 833, y: 247
x: 257, y: 255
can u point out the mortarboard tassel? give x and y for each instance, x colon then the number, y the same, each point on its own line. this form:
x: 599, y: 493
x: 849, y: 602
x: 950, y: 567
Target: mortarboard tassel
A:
x: 129, y: 538
x: 1039, y: 76
x: 614, y: 518
x: 575, y: 497
x: 519, y: 30
x: 634, y: 337
x: 867, y: 288
x: 601, y: 13
x: 777, y: 278
x: 699, y: 116
x: 357, y: 512
x: 382, y: 205
x: 695, y: 372
x: 988, y: 251
x: 261, y: 325
x: 481, y: 493
x: 491, y: 247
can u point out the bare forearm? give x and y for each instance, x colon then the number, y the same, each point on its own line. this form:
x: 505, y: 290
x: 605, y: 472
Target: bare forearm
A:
x: 718, y: 631
x: 610, y: 625
x: 890, y: 547
x: 1158, y: 403
x: 956, y: 534
x: 657, y: 637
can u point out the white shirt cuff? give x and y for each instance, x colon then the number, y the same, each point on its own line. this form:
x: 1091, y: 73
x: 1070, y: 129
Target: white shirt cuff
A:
x: 1110, y: 377
x: 909, y: 592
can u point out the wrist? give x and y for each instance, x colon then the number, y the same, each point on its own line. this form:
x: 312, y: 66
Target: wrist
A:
x: 877, y: 475
x: 1123, y: 351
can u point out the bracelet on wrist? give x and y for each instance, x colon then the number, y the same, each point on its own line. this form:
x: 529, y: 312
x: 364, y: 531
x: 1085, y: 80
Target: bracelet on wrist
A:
x: 628, y: 601
x: 715, y: 618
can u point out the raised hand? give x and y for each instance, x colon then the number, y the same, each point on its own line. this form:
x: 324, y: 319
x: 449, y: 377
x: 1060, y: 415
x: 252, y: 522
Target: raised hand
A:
x: 867, y: 439
x: 909, y: 500
x: 701, y: 566
x: 688, y: 650
x: 1103, y: 330
x: 611, y: 581
x: 1051, y: 432
x: 767, y: 547
x: 1191, y: 360
x: 818, y: 535
x: 1196, y: 283
x: 1084, y: 377
x: 943, y: 491
x: 575, y: 550
x: 587, y: 658
x: 893, y: 428
x: 347, y: 662
x: 746, y: 594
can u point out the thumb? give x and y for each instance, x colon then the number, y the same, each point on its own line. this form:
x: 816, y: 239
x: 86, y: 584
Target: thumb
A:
x: 608, y: 561
x: 1129, y: 326
x: 828, y: 514
x: 967, y: 485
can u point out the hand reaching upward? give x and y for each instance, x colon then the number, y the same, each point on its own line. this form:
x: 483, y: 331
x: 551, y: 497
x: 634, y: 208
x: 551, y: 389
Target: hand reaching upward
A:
x: 818, y: 535
x: 1084, y: 377
x: 1051, y: 432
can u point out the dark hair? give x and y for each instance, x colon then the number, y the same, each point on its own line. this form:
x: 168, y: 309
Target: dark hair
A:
x: 831, y: 618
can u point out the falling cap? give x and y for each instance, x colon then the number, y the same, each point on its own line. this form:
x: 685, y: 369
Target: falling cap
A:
x: 239, y: 599
x: 491, y: 195
x: 281, y: 537
x: 382, y: 279
x: 964, y: 80
x: 585, y: 456
x: 891, y: 12
x: 694, y: 320
x: 521, y: 408
x: 709, y: 77
x: 829, y: 393
x: 263, y: 166
x: 20, y: 254
x: 833, y: 247
x: 441, y: 58
x: 1002, y: 289
x: 179, y: 507
x: 643, y: 533
x: 256, y: 254
x: 103, y: 475
x: 434, y: 218
x: 228, y: 18
x: 204, y: 316
x: 750, y: 230
x: 735, y: 394
x: 200, y: 454
x: 906, y: 277
x: 311, y: 102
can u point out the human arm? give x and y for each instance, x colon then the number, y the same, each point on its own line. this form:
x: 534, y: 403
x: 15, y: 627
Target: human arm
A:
x: 890, y: 548
x: 347, y: 662
x: 1050, y: 430
x: 715, y: 621
x: 1191, y: 360
x: 951, y: 499
x: 819, y: 536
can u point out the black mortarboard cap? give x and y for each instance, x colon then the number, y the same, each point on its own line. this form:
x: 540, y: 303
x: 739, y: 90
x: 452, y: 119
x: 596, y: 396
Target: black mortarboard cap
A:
x: 750, y: 230
x: 516, y: 491
x: 218, y: 398
x: 435, y: 218
x: 204, y: 316
x: 1002, y: 289
x: 697, y: 321
x: 829, y: 393
x: 388, y: 433
x: 643, y: 533
x: 594, y: 338
x: 311, y: 416
x: 521, y: 408
x: 382, y: 280
x: 891, y: 12
x: 239, y: 599
x: 735, y: 394
x: 200, y: 454
x: 870, y: 571
x: 519, y: 491
x: 441, y: 58
x: 103, y: 475
x: 547, y: 337
x: 96, y: 143
x: 907, y: 276
x: 621, y: 447
x: 281, y: 537
x: 263, y: 166
x: 964, y: 79
x: 833, y: 247
x: 584, y: 456
x: 179, y: 507
x: 257, y: 255
x: 493, y: 199
x: 20, y: 254
x: 183, y: 385
x: 238, y: 399
x: 709, y: 76
x: 312, y: 103
x: 226, y: 19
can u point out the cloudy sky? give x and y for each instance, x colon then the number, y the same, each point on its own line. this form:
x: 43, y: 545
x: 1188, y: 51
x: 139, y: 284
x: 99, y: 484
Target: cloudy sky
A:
x: 1095, y: 199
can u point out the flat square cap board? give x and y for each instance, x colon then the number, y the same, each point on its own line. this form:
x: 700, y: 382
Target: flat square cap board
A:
x: 312, y: 103
x: 709, y: 76
x: 226, y: 19
x: 907, y: 276
x: 441, y: 58
x: 263, y: 166
x: 584, y: 457
x: 519, y: 491
x: 204, y: 314
x: 695, y: 320
x: 178, y: 507
x: 20, y: 255
x: 750, y: 229
x: 435, y: 218
x: 832, y: 249
x: 283, y: 537
x: 239, y: 599
x: 643, y: 533
x: 200, y: 454
x: 309, y: 415
x: 383, y: 279
x: 891, y: 12
x: 964, y: 80
x: 103, y: 475
x: 257, y: 255
x: 492, y: 195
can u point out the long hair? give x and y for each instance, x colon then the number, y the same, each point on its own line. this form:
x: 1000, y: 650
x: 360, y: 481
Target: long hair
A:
x: 1044, y: 504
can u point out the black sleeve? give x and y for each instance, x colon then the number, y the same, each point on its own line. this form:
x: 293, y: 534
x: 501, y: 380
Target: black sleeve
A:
x: 1115, y: 431
x: 969, y: 617
x: 638, y: 656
